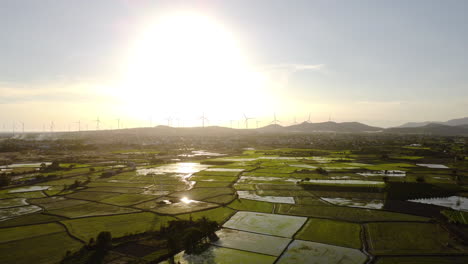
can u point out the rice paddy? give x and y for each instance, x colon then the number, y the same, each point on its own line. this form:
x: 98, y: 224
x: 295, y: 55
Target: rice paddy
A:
x: 270, y: 208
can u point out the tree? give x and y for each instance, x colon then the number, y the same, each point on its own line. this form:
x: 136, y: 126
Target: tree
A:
x: 104, y: 240
x: 4, y: 180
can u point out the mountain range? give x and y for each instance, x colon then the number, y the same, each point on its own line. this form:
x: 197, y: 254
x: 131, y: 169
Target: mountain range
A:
x: 452, y: 122
x: 454, y: 127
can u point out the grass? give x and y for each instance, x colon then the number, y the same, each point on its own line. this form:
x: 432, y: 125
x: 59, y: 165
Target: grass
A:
x: 456, y: 216
x: 220, y: 214
x: 213, y: 178
x: 200, y: 194
x: 127, y: 199
x: 43, y: 249
x: 23, y: 232
x: 30, y: 219
x: 118, y: 225
x: 37, y: 194
x: 91, y: 209
x: 222, y: 199
x: 92, y: 196
x: 331, y: 232
x: 408, y: 238
x: 250, y: 205
x: 244, y: 187
x: 218, y: 173
x: 118, y: 184
x: 56, y: 203
x: 310, y: 252
x: 346, y: 213
x: 115, y: 189
x: 213, y: 184
x: 423, y: 260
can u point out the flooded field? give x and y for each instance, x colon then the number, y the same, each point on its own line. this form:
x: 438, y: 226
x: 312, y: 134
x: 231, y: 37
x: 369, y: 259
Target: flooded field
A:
x: 454, y: 202
x: 29, y: 189
x: 355, y: 202
x: 268, y: 224
x: 270, y: 209
x: 433, y: 166
x: 272, y: 199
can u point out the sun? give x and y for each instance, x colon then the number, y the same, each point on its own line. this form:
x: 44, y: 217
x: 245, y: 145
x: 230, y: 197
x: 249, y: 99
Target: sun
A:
x: 186, y: 64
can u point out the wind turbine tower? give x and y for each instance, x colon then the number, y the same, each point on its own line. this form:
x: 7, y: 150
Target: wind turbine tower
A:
x: 246, y: 120
x: 308, y: 120
x: 97, y: 123
x: 203, y: 119
x: 79, y: 125
x: 275, y: 121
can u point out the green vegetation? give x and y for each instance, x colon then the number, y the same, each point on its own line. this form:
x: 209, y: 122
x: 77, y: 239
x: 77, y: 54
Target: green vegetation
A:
x: 456, y: 216
x: 423, y: 260
x: 91, y: 209
x: 346, y: 213
x: 118, y: 225
x: 88, y: 204
x: 200, y: 194
x: 249, y: 205
x: 128, y: 199
x: 91, y: 196
x: 42, y: 249
x: 220, y: 214
x: 408, y: 238
x: 331, y: 232
x: 30, y: 220
x: 23, y: 232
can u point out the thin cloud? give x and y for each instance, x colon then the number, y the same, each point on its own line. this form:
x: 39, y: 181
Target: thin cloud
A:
x: 280, y: 74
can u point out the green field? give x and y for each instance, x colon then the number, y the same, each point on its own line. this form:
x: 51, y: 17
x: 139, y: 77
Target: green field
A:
x: 408, y: 238
x: 250, y: 205
x: 119, y: 225
x: 331, y: 232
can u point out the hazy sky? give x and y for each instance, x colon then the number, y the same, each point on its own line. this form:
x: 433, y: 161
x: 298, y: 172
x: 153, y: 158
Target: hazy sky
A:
x: 378, y: 62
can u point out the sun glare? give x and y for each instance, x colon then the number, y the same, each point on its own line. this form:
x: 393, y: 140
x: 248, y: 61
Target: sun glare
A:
x: 187, y: 63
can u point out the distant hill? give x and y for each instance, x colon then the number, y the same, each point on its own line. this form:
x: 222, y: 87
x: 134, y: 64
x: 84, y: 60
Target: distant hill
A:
x: 345, y: 127
x: 432, y: 129
x: 306, y: 127
x: 457, y: 122
x: 272, y: 128
x: 452, y: 122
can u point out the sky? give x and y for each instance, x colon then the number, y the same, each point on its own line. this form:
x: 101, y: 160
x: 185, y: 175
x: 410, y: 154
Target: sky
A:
x: 135, y: 63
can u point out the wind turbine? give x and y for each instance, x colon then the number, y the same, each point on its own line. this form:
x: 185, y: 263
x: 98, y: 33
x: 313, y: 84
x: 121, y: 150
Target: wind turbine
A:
x: 203, y: 119
x: 294, y: 122
x: 308, y: 120
x: 97, y: 123
x: 169, y: 119
x: 275, y: 121
x: 79, y: 125
x: 258, y: 122
x: 118, y: 123
x: 246, y: 120
x: 52, y: 125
